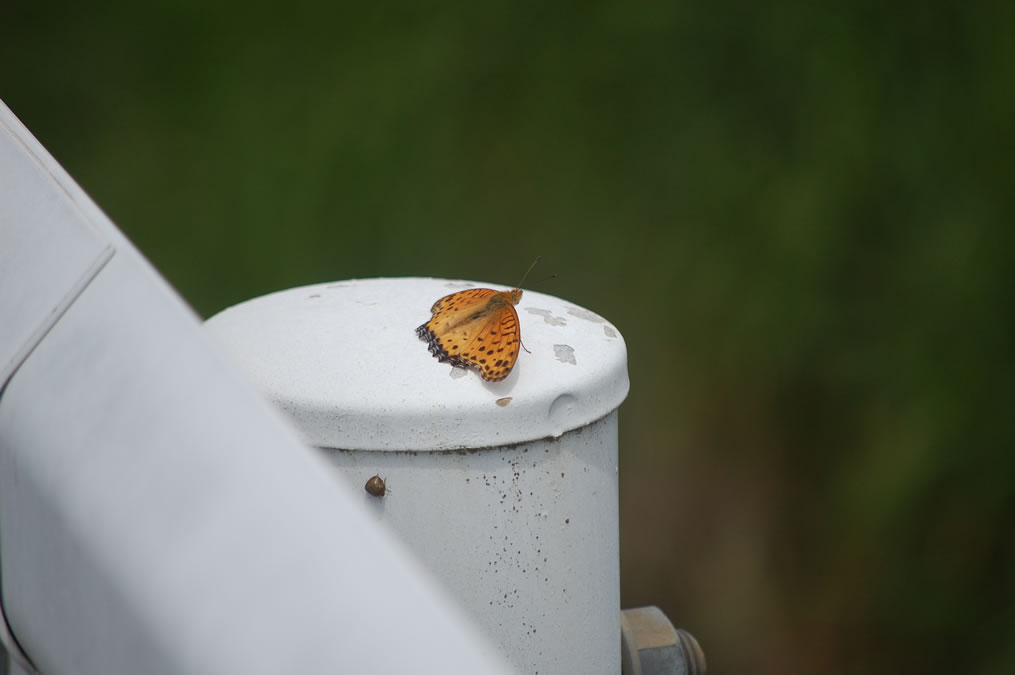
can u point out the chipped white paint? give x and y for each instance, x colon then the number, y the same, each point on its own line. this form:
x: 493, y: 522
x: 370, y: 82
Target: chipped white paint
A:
x: 564, y: 354
x: 548, y: 316
x: 585, y: 314
x: 507, y: 491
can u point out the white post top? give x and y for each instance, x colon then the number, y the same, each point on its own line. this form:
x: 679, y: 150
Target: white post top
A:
x: 343, y: 360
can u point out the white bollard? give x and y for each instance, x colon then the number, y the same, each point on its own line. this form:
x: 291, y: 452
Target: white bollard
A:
x: 507, y: 491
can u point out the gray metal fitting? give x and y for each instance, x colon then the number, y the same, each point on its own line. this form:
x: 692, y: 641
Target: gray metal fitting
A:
x: 650, y: 645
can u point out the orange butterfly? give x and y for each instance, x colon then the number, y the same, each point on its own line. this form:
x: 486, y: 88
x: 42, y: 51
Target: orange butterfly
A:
x: 477, y: 328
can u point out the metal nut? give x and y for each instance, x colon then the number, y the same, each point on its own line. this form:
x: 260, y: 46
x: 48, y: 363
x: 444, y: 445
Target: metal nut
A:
x: 650, y: 645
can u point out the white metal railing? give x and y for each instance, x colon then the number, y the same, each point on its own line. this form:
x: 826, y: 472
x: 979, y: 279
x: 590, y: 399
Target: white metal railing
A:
x: 156, y: 515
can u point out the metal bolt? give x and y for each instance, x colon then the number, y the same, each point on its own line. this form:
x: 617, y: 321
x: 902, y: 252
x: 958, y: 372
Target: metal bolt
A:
x: 650, y: 645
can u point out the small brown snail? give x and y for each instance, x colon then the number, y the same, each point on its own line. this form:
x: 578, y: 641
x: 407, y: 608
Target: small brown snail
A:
x: 376, y: 487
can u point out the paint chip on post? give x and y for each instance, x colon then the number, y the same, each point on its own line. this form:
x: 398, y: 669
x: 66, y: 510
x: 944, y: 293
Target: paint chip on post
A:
x: 565, y: 354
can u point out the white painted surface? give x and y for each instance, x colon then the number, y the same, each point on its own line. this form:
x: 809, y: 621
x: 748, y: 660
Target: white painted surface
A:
x: 526, y: 536
x: 49, y: 247
x: 343, y: 361
x: 512, y: 503
x: 157, y: 516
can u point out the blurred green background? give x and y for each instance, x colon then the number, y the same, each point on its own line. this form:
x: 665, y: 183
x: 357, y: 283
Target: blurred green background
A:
x: 800, y: 217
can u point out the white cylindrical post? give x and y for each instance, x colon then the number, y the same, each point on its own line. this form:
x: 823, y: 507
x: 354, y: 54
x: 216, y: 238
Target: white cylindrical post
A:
x: 507, y: 491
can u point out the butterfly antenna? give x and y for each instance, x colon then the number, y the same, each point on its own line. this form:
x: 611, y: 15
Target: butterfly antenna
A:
x: 524, y: 276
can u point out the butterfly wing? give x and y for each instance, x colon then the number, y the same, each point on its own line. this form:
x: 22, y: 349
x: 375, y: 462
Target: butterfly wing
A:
x: 494, y: 348
x: 457, y: 309
x: 454, y: 319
